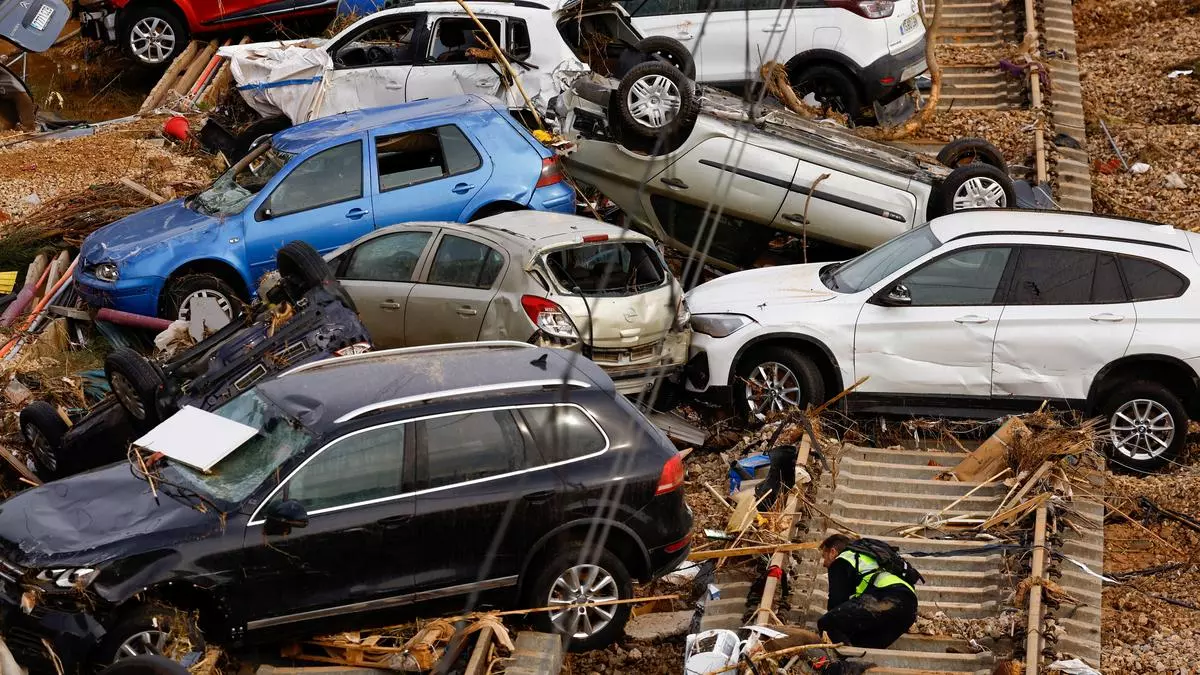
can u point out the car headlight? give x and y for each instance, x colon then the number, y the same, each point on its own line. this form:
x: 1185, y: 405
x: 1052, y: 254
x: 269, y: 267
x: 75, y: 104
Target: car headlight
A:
x: 68, y: 577
x: 682, y: 314
x: 106, y: 271
x: 719, y: 325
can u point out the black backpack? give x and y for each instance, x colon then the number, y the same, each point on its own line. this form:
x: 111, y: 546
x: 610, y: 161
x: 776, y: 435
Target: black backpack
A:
x: 889, y: 559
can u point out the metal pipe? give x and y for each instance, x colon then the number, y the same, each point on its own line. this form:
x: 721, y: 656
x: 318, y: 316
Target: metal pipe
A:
x: 132, y: 320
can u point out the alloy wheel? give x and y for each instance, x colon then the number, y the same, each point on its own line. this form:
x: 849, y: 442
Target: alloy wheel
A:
x: 980, y: 193
x: 1141, y: 429
x: 772, y: 387
x: 128, y: 396
x: 145, y: 642
x: 152, y: 40
x: 185, y: 307
x: 583, y: 584
x: 654, y: 100
x: 40, y: 445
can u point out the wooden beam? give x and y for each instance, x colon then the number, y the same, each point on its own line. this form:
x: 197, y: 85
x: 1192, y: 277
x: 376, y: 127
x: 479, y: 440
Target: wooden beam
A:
x: 481, y: 655
x: 1033, y: 632
x: 787, y: 521
x: 168, y: 79
x: 777, y: 549
x: 193, y: 71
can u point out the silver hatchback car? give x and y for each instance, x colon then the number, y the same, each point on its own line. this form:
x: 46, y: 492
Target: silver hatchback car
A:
x: 546, y: 278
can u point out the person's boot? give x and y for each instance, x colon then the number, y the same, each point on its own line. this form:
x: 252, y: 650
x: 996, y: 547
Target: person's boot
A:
x: 781, y: 477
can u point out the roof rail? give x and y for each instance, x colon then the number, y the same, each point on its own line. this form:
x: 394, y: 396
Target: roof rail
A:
x: 464, y: 391
x: 368, y: 356
x: 518, y: 3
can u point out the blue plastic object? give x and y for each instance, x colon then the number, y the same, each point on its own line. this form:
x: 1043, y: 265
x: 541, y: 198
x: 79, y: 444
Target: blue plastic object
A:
x: 745, y: 469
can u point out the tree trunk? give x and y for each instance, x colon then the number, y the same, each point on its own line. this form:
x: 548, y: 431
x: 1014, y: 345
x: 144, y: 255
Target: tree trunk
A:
x: 935, y: 72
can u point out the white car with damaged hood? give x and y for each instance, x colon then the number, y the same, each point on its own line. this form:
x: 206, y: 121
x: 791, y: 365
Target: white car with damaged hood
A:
x: 975, y: 314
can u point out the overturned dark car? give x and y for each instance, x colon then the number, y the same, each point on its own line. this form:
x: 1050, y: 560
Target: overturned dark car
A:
x: 306, y: 317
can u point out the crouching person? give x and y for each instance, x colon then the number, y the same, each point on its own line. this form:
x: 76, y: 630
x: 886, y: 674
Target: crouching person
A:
x: 868, y: 606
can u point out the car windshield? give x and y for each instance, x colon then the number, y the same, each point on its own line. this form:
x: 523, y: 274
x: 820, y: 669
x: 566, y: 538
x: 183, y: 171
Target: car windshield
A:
x: 235, y: 477
x: 235, y: 188
x: 871, y: 267
x: 609, y: 268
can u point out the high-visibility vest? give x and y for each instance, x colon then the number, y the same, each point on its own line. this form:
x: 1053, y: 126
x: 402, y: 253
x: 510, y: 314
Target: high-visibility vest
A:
x: 868, y: 570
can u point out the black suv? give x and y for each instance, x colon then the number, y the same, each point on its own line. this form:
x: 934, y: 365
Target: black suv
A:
x: 473, y: 473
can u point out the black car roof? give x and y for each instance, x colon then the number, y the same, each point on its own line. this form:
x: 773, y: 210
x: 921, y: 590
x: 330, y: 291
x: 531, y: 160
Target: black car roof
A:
x: 337, y: 390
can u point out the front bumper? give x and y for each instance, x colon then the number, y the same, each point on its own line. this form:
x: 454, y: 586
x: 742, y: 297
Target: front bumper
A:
x: 710, y: 361
x: 70, y: 635
x: 891, y: 71
x: 137, y: 295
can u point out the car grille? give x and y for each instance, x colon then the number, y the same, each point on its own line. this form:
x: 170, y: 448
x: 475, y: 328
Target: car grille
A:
x: 623, y: 356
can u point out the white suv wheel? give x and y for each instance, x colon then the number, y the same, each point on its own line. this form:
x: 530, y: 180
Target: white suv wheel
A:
x: 772, y: 387
x: 1141, y: 429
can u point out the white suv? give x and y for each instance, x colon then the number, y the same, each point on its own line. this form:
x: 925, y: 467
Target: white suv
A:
x: 974, y: 314
x: 845, y: 53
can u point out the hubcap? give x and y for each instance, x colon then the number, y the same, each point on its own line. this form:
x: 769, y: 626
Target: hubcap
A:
x: 772, y: 387
x: 145, y: 642
x: 152, y: 39
x: 1141, y: 429
x: 583, y: 584
x: 125, y: 392
x: 41, y: 447
x: 185, y: 307
x: 653, y: 100
x: 980, y: 193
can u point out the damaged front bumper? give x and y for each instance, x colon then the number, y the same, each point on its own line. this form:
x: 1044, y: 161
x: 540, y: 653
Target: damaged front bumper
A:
x: 632, y: 378
x: 47, y: 639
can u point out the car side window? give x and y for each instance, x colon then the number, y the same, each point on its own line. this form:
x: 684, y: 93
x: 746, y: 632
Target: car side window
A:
x: 1053, y: 276
x: 563, y: 432
x: 453, y: 37
x: 459, y: 448
x: 1107, y: 286
x: 392, y: 257
x: 328, y: 177
x: 386, y: 43
x: 519, y: 44
x: 361, y: 467
x: 419, y: 156
x: 463, y: 262
x: 964, y: 277
x: 1149, y: 280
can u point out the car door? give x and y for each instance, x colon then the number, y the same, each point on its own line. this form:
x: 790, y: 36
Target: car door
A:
x: 379, y: 274
x: 940, y: 342
x: 447, y: 69
x: 679, y: 19
x: 357, y: 542
x: 451, y: 301
x: 485, y: 498
x: 321, y: 200
x: 1066, y: 317
x: 371, y: 66
x: 722, y: 41
x: 427, y: 174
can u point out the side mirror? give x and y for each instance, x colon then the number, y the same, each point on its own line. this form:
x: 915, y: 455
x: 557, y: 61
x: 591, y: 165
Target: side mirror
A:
x: 285, y: 515
x: 898, y: 296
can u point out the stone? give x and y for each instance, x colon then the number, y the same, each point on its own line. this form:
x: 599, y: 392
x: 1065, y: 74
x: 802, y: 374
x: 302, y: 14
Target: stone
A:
x: 659, y: 625
x: 635, y: 654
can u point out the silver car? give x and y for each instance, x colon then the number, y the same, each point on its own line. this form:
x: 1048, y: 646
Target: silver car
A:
x: 546, y: 278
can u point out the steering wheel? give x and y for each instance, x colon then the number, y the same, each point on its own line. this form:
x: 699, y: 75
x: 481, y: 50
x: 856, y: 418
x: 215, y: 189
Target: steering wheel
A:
x: 377, y: 54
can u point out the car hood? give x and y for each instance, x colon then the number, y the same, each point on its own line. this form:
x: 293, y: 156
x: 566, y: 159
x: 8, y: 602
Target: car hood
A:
x: 96, y: 516
x: 129, y: 237
x: 753, y: 291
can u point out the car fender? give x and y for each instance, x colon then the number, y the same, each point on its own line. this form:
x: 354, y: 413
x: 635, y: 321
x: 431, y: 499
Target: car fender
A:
x: 582, y: 524
x: 126, y: 578
x: 238, y: 266
x: 827, y: 56
x: 839, y: 372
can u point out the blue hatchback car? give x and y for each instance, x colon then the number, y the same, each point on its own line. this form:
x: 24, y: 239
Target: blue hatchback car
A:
x: 326, y: 182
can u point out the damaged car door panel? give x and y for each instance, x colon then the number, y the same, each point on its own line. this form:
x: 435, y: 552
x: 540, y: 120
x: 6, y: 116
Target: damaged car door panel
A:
x: 971, y: 315
x: 357, y: 462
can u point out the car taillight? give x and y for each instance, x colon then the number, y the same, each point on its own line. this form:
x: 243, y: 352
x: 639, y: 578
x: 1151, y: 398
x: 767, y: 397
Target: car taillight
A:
x: 871, y: 9
x: 549, y: 317
x: 672, y: 476
x: 551, y: 173
x: 676, y: 546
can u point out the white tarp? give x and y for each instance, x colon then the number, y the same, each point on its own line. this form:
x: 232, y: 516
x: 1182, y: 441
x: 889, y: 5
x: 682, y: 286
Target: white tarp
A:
x: 283, y: 77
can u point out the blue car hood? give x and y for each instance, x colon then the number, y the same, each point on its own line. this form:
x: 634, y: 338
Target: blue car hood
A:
x: 169, y: 224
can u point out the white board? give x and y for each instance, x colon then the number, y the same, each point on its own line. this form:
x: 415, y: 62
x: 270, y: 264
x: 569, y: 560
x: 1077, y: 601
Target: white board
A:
x: 196, y: 438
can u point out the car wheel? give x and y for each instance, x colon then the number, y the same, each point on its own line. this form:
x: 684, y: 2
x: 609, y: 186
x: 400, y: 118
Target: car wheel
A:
x: 154, y: 35
x: 181, y: 292
x: 830, y: 86
x: 150, y: 629
x: 669, y: 50
x: 136, y: 382
x: 976, y: 186
x: 249, y: 138
x: 964, y: 151
x: 1147, y: 426
x: 578, y: 577
x: 776, y: 379
x: 43, y: 429
x: 655, y: 99
x: 301, y: 268
x: 146, y: 664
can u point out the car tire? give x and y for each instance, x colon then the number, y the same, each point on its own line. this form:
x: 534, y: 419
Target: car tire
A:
x: 43, y: 429
x: 267, y: 126
x: 142, y: 629
x: 146, y: 664
x: 1140, y: 403
x: 795, y: 376
x: 668, y: 50
x: 976, y: 186
x: 963, y: 151
x: 179, y: 293
x: 555, y: 582
x: 832, y: 87
x: 146, y: 30
x: 301, y: 268
x: 136, y: 382
x: 653, y: 80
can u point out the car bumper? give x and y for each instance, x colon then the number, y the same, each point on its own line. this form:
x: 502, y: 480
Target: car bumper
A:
x: 634, y: 379
x: 558, y: 197
x: 710, y: 362
x: 893, y: 70
x: 70, y: 635
x: 138, y: 295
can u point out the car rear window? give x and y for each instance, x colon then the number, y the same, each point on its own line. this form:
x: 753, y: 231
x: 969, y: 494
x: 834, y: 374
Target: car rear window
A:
x: 1149, y: 280
x: 608, y: 268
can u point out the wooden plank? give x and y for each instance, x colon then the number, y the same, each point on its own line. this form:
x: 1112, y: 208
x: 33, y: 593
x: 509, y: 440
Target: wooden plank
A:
x: 69, y: 312
x: 143, y: 191
x: 181, y: 62
x: 220, y: 82
x: 1034, y: 629
x: 17, y: 464
x: 777, y: 549
x: 481, y: 655
x: 193, y: 71
x: 786, y: 521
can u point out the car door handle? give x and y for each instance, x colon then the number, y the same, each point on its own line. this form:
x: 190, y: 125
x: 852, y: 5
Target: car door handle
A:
x: 971, y: 318
x: 539, y: 497
x: 674, y: 183
x: 774, y: 29
x: 462, y: 188
x: 393, y: 522
x: 356, y: 213
x: 794, y: 217
x: 1106, y: 317
x: 389, y: 304
x: 466, y: 311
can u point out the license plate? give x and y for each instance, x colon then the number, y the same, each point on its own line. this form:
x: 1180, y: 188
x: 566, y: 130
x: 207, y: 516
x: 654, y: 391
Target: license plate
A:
x: 42, y: 19
x: 910, y: 24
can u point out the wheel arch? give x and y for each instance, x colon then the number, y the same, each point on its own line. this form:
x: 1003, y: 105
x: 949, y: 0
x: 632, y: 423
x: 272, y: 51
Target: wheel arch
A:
x: 183, y: 9
x: 617, y: 537
x: 1169, y: 371
x: 222, y: 269
x: 827, y: 57
x: 815, y: 349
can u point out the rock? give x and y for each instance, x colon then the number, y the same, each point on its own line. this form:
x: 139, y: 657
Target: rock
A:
x: 1174, y: 181
x: 635, y: 654
x: 659, y: 625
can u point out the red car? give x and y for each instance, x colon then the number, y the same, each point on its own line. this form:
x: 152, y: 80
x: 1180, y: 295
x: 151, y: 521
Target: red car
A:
x: 155, y: 31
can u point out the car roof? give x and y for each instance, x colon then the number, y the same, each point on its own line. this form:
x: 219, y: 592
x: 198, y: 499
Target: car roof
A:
x: 302, y: 136
x: 547, y: 228
x: 332, y: 391
x: 1059, y: 223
